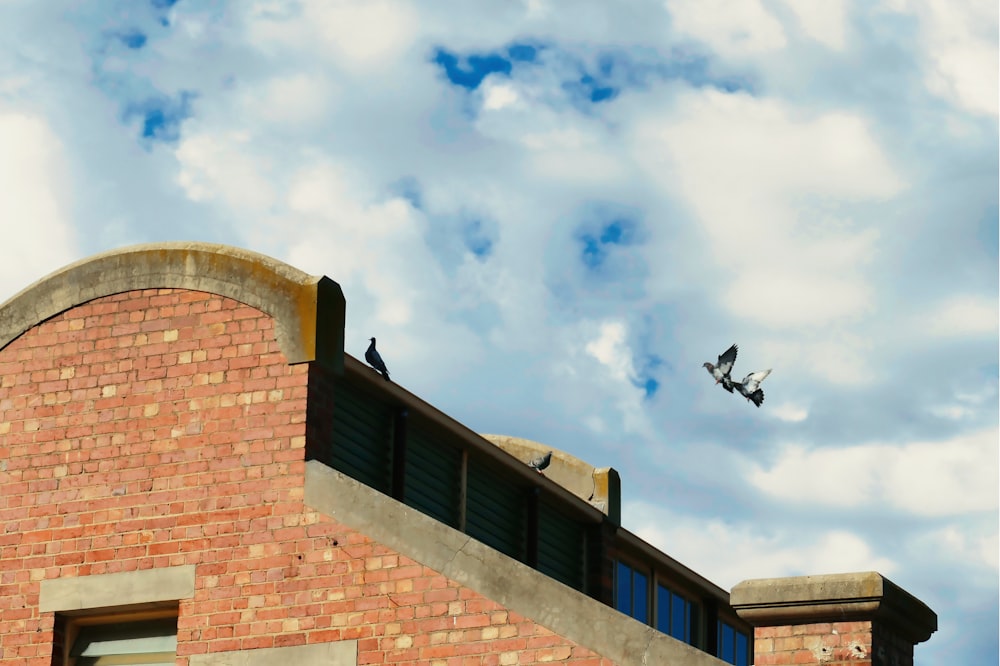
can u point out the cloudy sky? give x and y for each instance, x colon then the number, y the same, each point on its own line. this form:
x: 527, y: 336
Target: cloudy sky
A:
x: 551, y: 213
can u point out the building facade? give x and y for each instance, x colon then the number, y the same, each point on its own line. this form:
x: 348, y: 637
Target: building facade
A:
x: 193, y: 472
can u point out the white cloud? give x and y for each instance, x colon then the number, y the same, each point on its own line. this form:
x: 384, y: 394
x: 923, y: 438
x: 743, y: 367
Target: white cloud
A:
x: 757, y: 174
x: 34, y: 209
x: 223, y: 165
x: 967, y: 405
x: 296, y: 98
x: 732, y: 29
x: 610, y: 349
x: 357, y: 35
x: 950, y: 477
x: 708, y: 546
x: 963, y: 316
x: 965, y: 543
x: 789, y: 412
x: 498, y: 96
x: 961, y: 50
x: 825, y: 21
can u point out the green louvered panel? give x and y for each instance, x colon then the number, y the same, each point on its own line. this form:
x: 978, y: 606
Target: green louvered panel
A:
x: 362, y: 437
x: 560, y: 545
x: 495, y: 509
x: 433, y: 477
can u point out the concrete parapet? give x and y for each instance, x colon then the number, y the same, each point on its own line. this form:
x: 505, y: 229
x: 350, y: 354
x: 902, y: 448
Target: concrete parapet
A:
x: 600, y: 486
x: 519, y: 588
x: 863, y: 618
x: 308, y: 310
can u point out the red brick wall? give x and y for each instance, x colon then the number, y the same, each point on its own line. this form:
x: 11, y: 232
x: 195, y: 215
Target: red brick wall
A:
x: 827, y: 643
x: 164, y: 427
x: 832, y: 644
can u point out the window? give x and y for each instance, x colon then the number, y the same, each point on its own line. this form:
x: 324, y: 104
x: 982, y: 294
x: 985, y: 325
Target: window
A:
x: 734, y: 645
x: 130, y: 640
x: 632, y: 592
x: 673, y: 614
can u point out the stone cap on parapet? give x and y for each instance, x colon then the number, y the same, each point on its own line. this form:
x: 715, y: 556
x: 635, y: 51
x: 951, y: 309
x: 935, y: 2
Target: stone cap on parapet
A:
x: 308, y: 310
x: 600, y: 486
x: 833, y: 598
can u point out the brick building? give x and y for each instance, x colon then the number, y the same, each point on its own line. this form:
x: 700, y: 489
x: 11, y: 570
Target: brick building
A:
x: 193, y: 472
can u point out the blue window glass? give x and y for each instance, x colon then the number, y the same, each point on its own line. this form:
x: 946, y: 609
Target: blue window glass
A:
x: 727, y: 643
x: 663, y: 609
x: 673, y: 614
x: 640, y: 597
x: 742, y: 649
x: 623, y: 591
x: 680, y: 618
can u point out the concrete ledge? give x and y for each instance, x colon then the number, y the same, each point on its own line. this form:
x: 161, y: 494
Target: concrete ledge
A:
x: 600, y: 486
x: 338, y: 653
x: 520, y: 588
x: 308, y: 310
x: 128, y: 588
x: 833, y: 598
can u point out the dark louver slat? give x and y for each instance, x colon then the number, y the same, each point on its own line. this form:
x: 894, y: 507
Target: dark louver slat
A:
x: 433, y: 473
x: 560, y: 545
x: 362, y: 429
x: 495, y: 510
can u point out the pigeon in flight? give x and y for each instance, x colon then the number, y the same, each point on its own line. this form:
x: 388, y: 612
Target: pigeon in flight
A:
x: 375, y: 360
x: 750, y: 389
x: 541, y: 462
x: 725, y: 365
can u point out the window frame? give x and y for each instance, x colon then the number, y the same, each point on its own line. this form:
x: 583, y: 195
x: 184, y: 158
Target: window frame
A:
x: 73, y: 623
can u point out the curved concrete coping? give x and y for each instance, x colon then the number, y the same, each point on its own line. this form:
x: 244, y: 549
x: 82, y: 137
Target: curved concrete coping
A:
x: 308, y: 310
x: 601, y: 486
x: 833, y: 598
x: 513, y: 585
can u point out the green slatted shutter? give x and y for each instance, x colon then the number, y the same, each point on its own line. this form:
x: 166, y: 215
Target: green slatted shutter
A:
x: 495, y: 509
x: 560, y: 545
x: 433, y: 477
x: 362, y: 437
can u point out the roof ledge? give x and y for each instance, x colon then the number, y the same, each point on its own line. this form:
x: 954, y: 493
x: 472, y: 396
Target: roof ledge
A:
x: 833, y: 598
x: 599, y: 486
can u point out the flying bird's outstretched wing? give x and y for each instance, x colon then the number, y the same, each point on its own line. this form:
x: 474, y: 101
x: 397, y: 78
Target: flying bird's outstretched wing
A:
x: 541, y: 462
x: 750, y: 389
x: 727, y: 360
x: 724, y: 366
x: 375, y: 360
x: 753, y: 380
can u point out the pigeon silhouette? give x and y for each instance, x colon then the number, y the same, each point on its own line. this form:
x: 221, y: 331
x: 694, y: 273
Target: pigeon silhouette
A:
x: 375, y: 360
x: 750, y: 389
x: 541, y: 462
x: 724, y: 366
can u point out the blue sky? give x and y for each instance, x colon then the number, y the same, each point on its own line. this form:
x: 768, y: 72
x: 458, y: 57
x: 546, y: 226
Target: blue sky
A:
x: 552, y: 213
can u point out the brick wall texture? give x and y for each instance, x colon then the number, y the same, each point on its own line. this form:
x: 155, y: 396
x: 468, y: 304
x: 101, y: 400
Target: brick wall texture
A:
x: 164, y: 427
x: 831, y: 644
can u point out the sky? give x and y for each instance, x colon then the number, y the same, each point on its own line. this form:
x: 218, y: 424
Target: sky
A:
x: 551, y: 213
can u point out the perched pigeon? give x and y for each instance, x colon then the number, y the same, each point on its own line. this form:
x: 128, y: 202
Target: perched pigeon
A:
x: 375, y: 360
x: 750, y: 389
x: 541, y: 462
x: 725, y: 365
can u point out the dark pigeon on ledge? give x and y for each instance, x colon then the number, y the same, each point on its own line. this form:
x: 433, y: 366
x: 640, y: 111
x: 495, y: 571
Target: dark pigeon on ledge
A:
x: 541, y: 462
x: 723, y: 367
x: 750, y: 389
x: 375, y: 360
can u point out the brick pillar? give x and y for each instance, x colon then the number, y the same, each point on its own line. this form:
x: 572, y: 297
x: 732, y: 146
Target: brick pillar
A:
x: 834, y: 620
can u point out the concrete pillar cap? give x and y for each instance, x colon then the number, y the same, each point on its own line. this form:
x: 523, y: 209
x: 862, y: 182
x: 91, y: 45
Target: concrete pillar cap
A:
x: 845, y: 597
